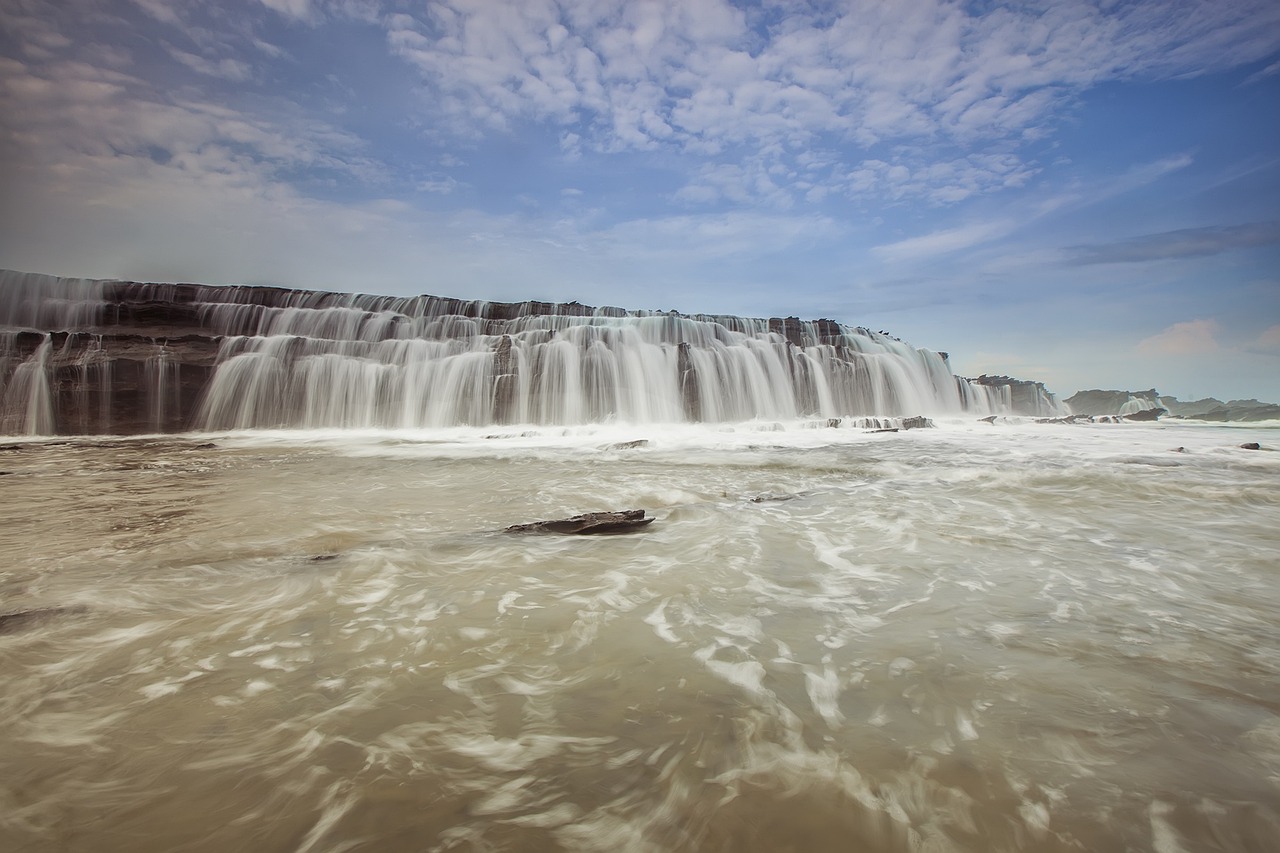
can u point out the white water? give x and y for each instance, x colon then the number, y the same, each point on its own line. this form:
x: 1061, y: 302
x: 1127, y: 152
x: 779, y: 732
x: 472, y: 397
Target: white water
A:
x: 974, y: 638
x: 325, y: 360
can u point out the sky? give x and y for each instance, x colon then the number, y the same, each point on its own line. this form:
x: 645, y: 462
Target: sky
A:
x: 1081, y: 193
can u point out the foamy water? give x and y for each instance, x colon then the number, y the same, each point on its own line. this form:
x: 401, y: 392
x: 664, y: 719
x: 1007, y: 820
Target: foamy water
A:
x: 973, y: 638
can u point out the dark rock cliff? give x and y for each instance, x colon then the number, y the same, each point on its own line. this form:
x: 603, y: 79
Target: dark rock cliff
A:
x: 118, y: 357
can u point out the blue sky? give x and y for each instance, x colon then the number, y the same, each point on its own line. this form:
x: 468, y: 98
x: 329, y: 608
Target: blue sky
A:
x: 1084, y: 193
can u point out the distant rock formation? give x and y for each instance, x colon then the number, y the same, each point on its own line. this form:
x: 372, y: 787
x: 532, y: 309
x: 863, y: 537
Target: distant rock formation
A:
x: 1097, y: 402
x: 1210, y: 409
x: 1150, y: 404
x: 1025, y: 396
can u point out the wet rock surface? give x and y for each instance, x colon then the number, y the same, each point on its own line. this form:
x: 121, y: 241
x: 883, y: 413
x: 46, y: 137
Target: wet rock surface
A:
x: 18, y: 620
x: 588, y: 524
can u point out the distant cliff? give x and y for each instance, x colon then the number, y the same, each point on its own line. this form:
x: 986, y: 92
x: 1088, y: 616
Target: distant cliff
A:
x: 115, y: 357
x: 1098, y: 402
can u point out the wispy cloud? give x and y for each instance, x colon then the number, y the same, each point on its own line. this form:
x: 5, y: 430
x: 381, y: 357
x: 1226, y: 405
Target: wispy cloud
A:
x: 1183, y: 243
x: 1268, y: 341
x: 944, y: 241
x: 1258, y: 76
x: 1194, y: 337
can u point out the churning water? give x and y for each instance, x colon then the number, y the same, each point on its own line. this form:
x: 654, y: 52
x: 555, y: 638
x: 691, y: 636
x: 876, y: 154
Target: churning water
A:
x: 973, y: 638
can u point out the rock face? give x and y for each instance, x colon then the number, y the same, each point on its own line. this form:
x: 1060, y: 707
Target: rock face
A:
x: 1210, y: 409
x: 118, y: 357
x: 588, y: 524
x: 1138, y: 405
x: 1025, y: 397
x: 1098, y: 402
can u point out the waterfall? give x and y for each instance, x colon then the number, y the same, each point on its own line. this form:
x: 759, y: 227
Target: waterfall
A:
x: 26, y: 405
x: 162, y: 390
x: 1133, y: 405
x: 205, y: 357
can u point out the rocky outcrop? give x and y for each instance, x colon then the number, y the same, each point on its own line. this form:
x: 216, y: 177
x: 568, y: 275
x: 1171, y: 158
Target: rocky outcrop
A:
x: 1025, y: 396
x: 18, y: 620
x: 588, y: 524
x: 1219, y: 412
x: 1099, y: 402
x: 126, y: 358
x: 1150, y: 404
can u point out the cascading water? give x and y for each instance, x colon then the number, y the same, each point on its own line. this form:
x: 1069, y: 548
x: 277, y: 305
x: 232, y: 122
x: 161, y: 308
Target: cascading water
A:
x: 274, y: 358
x: 26, y: 406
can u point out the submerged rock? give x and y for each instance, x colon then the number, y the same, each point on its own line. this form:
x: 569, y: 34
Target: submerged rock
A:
x: 629, y: 445
x: 1251, y: 445
x: 19, y: 619
x: 766, y: 497
x: 588, y: 524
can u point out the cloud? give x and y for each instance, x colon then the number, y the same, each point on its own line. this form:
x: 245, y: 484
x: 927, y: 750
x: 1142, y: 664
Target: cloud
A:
x: 1195, y: 337
x: 945, y: 241
x: 297, y: 9
x: 1183, y: 243
x: 741, y: 235
x: 1258, y: 76
x: 713, y: 79
x: 226, y: 68
x: 1268, y: 341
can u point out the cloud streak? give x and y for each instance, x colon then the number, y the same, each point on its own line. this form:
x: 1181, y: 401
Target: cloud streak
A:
x: 1183, y: 243
x: 1195, y: 337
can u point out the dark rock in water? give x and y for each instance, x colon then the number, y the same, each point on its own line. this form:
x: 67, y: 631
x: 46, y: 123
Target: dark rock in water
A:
x: 833, y: 423
x: 916, y: 423
x: 588, y: 524
x: 989, y: 419
x: 323, y: 558
x: 19, y: 619
x: 629, y: 445
x: 768, y: 497
x: 890, y: 429
x: 1146, y: 414
x: 1251, y: 445
x: 1179, y: 450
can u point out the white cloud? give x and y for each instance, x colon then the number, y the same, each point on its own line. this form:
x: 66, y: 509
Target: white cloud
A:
x: 1194, y: 337
x: 945, y: 241
x: 1268, y: 341
x: 704, y: 78
x: 1184, y: 243
x: 1273, y: 68
x: 226, y: 68
x: 298, y: 9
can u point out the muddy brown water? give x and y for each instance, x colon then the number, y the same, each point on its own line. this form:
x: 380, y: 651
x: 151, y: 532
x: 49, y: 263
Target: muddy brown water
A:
x: 1014, y: 638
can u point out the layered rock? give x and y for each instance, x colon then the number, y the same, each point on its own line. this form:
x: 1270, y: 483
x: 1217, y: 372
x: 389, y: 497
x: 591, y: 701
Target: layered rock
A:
x: 1026, y: 397
x: 1150, y: 404
x: 104, y: 357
